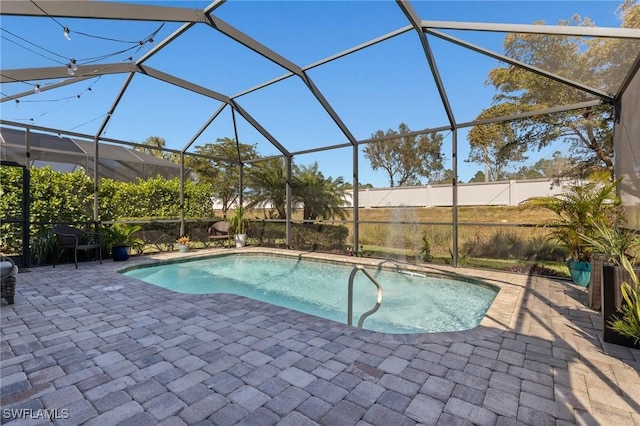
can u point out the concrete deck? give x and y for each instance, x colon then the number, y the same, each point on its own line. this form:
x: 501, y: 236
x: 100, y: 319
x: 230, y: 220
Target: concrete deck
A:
x: 91, y: 346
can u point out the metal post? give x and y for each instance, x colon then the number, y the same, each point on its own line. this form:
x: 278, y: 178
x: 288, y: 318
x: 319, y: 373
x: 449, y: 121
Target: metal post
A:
x: 26, y: 201
x: 356, y: 202
x: 241, y: 185
x: 454, y: 188
x: 26, y: 223
x: 289, y: 196
x: 96, y: 177
x: 240, y: 164
x: 181, y: 193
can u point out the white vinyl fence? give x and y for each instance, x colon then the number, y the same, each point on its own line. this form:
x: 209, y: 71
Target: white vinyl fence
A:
x: 508, y: 193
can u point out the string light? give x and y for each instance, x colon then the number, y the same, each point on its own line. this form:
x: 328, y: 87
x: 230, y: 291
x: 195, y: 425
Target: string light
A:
x: 67, y: 99
x: 72, y: 67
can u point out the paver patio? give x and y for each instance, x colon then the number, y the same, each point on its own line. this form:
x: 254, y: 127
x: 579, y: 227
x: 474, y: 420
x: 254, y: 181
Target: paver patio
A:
x: 91, y: 346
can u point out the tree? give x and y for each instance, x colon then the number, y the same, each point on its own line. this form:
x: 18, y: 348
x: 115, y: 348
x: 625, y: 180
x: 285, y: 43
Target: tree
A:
x: 322, y: 197
x: 405, y: 159
x: 553, y: 168
x: 268, y: 183
x: 155, y: 142
x: 444, y: 177
x: 222, y: 170
x: 594, y: 62
x: 349, y: 185
x: 478, y: 177
x: 494, y: 144
x: 158, y: 142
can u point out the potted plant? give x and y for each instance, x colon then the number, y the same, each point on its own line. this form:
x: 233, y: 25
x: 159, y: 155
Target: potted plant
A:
x: 119, y: 239
x: 618, y: 286
x: 610, y: 244
x: 239, y: 226
x: 183, y: 244
x: 621, y: 320
x: 577, y: 209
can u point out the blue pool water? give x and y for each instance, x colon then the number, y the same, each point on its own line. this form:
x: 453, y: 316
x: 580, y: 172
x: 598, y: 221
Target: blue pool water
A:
x: 411, y: 304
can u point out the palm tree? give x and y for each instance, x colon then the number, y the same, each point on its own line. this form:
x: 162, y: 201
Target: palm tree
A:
x: 577, y: 209
x: 155, y: 142
x: 267, y: 182
x: 322, y: 197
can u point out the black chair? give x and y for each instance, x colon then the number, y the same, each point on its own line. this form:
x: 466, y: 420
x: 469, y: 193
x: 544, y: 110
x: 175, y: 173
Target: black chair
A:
x: 76, y: 239
x: 8, y: 274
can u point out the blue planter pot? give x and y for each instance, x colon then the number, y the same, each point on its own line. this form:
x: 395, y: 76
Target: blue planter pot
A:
x: 120, y: 253
x: 580, y: 272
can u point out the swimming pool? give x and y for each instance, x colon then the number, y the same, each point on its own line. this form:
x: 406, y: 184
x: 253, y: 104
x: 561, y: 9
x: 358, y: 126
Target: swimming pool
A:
x: 411, y: 303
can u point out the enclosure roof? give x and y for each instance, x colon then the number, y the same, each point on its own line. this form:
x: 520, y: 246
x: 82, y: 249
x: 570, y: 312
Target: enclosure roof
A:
x: 221, y: 97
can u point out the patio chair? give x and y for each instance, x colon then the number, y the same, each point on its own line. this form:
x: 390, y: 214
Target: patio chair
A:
x: 8, y: 275
x: 219, y: 232
x: 76, y: 239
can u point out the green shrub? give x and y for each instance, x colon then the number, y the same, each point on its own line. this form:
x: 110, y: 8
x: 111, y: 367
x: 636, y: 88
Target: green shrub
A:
x: 43, y: 248
x: 153, y: 198
x: 269, y: 234
x: 304, y: 236
x: 425, y: 252
x: 509, y: 245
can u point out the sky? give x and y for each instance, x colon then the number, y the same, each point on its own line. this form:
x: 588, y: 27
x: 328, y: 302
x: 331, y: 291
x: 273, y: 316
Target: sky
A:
x: 373, y: 89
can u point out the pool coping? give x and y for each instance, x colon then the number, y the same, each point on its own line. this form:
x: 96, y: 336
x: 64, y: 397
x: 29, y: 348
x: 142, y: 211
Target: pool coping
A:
x: 499, y: 318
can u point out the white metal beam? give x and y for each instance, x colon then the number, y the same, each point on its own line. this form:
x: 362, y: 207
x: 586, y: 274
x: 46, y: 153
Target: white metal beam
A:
x: 414, y: 19
x: 48, y: 87
x: 203, y: 128
x: 328, y: 108
x: 157, y: 48
x: 94, y: 70
x: 101, y: 10
x: 528, y: 114
x: 516, y: 63
x: 359, y: 47
x: 328, y: 59
x: 168, y: 78
x: 259, y: 128
x: 252, y: 44
x: 635, y: 68
x: 566, y: 30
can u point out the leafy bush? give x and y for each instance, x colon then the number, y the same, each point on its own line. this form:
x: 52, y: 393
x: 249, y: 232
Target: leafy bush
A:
x: 311, y: 236
x: 269, y: 234
x: 425, y: 252
x: 509, y: 245
x: 43, y: 249
x: 307, y: 236
x: 55, y: 197
x: 153, y: 198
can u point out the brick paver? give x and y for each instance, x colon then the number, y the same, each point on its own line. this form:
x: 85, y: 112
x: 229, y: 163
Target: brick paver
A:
x: 108, y: 349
